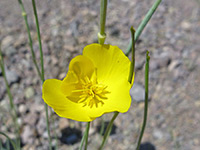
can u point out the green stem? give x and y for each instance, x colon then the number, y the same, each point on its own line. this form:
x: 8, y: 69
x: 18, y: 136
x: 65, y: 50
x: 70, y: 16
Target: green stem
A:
x: 146, y: 99
x: 13, y: 144
x: 83, y: 140
x: 103, y: 16
x: 102, y: 34
x: 86, y: 135
x: 54, y: 129
x: 42, y: 68
x: 12, y: 106
x: 108, y: 130
x: 39, y: 39
x: 132, y: 67
x: 47, y: 123
x: 143, y: 24
x: 24, y: 14
x: 102, y: 126
x: 1, y: 146
x: 7, y: 145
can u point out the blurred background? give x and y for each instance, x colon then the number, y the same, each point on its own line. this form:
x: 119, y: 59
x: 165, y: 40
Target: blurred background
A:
x: 67, y: 26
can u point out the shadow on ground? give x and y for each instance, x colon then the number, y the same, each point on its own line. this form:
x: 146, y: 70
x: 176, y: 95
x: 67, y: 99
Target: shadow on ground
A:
x: 70, y: 136
x: 147, y: 146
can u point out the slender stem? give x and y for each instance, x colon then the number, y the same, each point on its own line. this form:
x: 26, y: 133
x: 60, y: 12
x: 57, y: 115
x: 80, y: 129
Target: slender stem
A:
x: 102, y: 126
x: 47, y: 123
x: 86, y: 135
x: 146, y: 99
x: 108, y: 130
x: 7, y: 145
x: 102, y: 34
x: 39, y: 39
x: 42, y: 68
x: 7, y: 85
x: 83, y: 140
x: 1, y: 147
x: 12, y: 106
x: 54, y: 129
x: 132, y: 67
x: 24, y: 14
x: 143, y: 24
x: 13, y: 144
x: 103, y: 16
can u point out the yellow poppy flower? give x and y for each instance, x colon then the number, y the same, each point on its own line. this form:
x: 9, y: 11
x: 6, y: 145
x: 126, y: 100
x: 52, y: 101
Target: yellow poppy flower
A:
x: 96, y: 83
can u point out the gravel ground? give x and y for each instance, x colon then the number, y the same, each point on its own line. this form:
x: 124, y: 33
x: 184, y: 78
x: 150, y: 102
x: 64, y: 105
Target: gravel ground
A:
x: 172, y: 37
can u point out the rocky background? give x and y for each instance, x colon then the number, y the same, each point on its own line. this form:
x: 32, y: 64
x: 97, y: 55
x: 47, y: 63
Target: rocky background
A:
x: 172, y: 37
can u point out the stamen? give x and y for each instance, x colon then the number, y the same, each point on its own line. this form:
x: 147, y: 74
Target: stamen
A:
x: 90, y: 93
x: 80, y: 90
x: 101, y: 96
x: 82, y: 100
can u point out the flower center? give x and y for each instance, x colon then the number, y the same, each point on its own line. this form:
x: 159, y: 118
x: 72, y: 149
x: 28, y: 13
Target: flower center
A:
x: 89, y: 92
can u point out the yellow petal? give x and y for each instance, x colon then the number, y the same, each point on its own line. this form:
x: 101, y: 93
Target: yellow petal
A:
x: 117, y: 100
x: 53, y: 96
x: 113, y: 71
x: 110, y: 61
x: 79, y: 67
